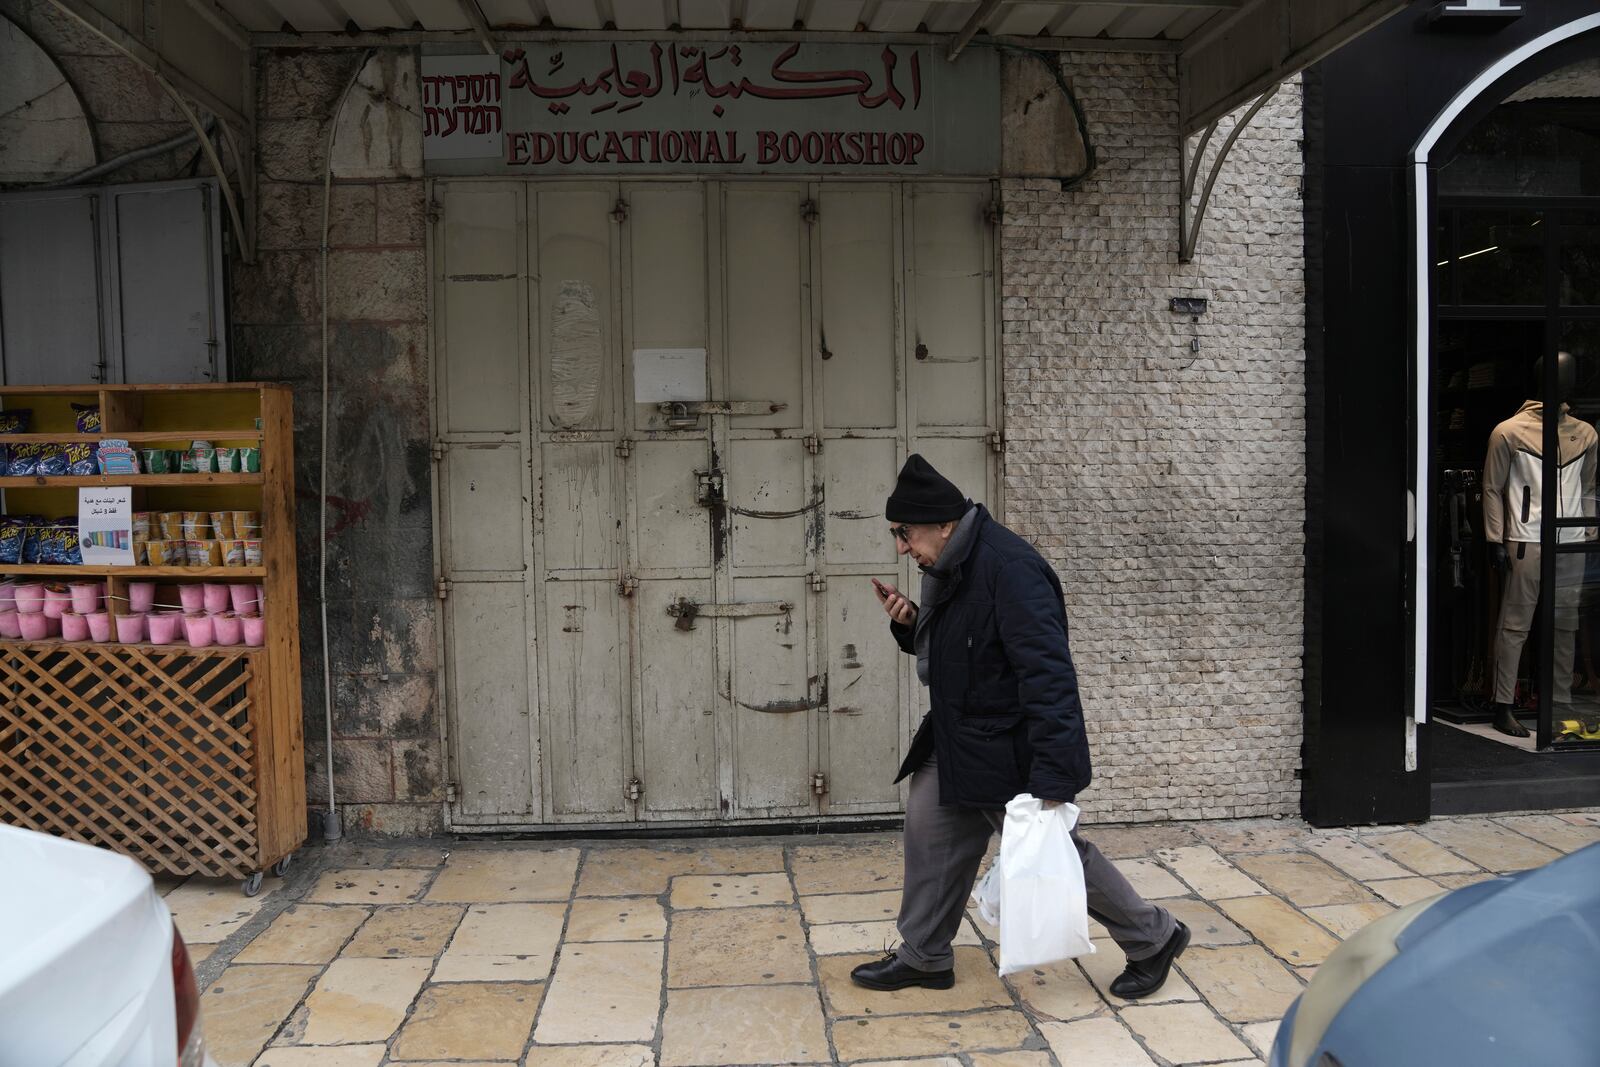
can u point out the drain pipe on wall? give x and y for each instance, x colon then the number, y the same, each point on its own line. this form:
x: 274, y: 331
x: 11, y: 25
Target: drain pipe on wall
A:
x: 332, y: 827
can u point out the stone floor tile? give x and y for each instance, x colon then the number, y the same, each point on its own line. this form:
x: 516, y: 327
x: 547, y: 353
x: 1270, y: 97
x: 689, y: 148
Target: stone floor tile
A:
x: 1490, y: 846
x: 939, y: 1061
x: 616, y: 919
x: 1549, y: 830
x: 1306, y: 973
x: 304, y: 933
x: 1236, y: 836
x: 422, y: 856
x: 1418, y: 853
x: 1581, y: 818
x: 851, y: 907
x: 1150, y: 880
x: 776, y: 1024
x: 1461, y: 881
x: 603, y: 992
x: 1260, y: 1036
x: 906, y: 1036
x: 1303, y: 880
x: 1008, y: 1059
x: 1132, y: 842
x: 453, y: 1063
x: 344, y: 1056
x: 406, y: 930
x: 473, y: 876
x: 1346, y: 919
x: 847, y: 868
x: 1184, y: 1033
x: 1057, y: 991
x: 977, y: 985
x: 590, y: 1056
x: 470, y: 1020
x: 834, y: 939
x: 646, y: 872
x: 247, y: 1004
x: 1206, y: 924
x: 730, y: 890
x: 166, y: 883
x: 503, y: 943
x: 991, y: 934
x: 355, y: 885
x: 1108, y: 962
x: 1354, y: 858
x: 1403, y: 891
x: 1242, y: 982
x: 1211, y: 876
x: 737, y: 946
x: 1101, y: 1042
x: 207, y: 910
x: 359, y: 1000
x: 1281, y: 928
x: 198, y: 954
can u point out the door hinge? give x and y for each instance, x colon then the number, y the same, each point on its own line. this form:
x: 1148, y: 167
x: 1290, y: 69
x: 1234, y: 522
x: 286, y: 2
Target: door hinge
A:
x: 627, y: 585
x: 809, y: 212
x: 624, y: 448
x: 997, y: 442
x: 439, y: 449
x: 620, y: 212
x: 442, y: 587
x: 435, y: 211
x: 819, y: 582
x: 819, y: 784
x: 634, y: 789
x: 813, y: 444
x: 994, y: 213
x: 450, y: 792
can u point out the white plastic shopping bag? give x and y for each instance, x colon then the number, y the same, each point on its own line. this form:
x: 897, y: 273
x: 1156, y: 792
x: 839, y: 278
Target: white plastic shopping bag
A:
x: 1044, y: 909
x: 986, y: 897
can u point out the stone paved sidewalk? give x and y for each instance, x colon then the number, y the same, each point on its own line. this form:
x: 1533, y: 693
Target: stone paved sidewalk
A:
x: 738, y: 951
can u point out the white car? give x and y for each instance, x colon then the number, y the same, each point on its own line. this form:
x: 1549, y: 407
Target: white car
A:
x: 92, y: 970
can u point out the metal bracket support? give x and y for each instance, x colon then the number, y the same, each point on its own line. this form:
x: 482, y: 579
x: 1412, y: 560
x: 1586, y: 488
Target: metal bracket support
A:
x: 1189, y: 172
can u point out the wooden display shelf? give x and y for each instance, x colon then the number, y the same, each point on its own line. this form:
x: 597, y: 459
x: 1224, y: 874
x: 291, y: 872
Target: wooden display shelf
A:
x: 130, y: 436
x: 68, y: 481
x: 112, y: 571
x: 56, y: 644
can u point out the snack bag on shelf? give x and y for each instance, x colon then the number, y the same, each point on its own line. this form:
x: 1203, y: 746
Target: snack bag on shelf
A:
x: 24, y: 460
x: 53, y: 461
x: 87, y: 417
x: 227, y: 461
x: 14, y: 421
x: 200, y: 459
x: 13, y: 532
x: 80, y: 459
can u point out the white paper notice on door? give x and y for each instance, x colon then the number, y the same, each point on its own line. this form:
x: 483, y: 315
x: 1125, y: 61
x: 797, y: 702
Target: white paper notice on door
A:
x: 105, y: 525
x: 669, y: 374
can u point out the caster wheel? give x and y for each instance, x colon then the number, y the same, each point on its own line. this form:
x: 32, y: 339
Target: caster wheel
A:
x: 281, y: 868
x: 252, y: 884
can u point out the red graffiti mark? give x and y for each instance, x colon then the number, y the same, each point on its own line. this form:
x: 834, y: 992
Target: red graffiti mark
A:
x: 351, y: 512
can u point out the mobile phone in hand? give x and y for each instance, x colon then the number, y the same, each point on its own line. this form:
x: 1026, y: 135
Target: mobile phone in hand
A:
x: 878, y: 587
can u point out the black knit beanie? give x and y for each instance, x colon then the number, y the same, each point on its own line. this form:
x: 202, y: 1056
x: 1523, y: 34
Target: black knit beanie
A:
x: 922, y: 494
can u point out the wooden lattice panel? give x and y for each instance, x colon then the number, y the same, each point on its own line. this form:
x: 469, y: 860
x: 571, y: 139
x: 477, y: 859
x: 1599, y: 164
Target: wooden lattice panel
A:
x: 143, y: 749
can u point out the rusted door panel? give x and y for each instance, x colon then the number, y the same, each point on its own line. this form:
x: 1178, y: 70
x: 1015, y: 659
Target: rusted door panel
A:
x: 951, y: 315
x: 576, y: 342
x: 585, y: 720
x: 773, y: 701
x: 677, y: 702
x: 860, y: 305
x: 772, y: 506
x: 765, y: 272
x: 860, y: 477
x: 492, y: 725
x: 485, y: 510
x: 579, y: 507
x: 864, y: 719
x: 480, y: 291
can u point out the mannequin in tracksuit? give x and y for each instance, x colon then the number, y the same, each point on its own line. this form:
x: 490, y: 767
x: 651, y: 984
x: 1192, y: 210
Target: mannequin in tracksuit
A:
x: 1512, y: 503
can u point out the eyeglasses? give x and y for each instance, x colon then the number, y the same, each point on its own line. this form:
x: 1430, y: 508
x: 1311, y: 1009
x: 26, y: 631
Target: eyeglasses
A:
x: 901, y: 532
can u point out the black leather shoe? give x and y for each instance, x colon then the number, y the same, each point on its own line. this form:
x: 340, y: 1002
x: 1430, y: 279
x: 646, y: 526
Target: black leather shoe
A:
x: 1506, y: 722
x: 889, y: 973
x: 1145, y: 976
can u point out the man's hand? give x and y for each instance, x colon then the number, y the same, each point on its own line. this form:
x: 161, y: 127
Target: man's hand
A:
x: 896, y: 606
x: 1498, y: 556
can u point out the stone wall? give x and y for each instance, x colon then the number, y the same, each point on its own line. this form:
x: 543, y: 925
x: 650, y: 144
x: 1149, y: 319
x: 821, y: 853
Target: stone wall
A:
x: 1164, y: 482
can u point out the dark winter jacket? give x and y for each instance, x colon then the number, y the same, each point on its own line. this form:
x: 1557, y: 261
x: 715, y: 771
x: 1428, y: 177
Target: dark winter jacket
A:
x: 1005, y: 717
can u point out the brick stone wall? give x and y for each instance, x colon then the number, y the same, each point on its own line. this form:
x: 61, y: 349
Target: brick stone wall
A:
x: 1165, y: 483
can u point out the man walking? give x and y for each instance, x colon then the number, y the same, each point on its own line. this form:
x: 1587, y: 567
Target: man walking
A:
x: 990, y: 637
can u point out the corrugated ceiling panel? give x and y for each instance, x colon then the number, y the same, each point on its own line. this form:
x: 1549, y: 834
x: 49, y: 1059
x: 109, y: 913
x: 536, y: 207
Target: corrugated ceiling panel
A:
x: 705, y: 14
x: 834, y: 15
x: 310, y: 16
x: 1141, y: 23
x: 1185, y: 24
x: 375, y: 14
x: 899, y: 16
x: 505, y: 12
x: 574, y: 14
x: 253, y: 15
x: 1086, y: 20
x: 1023, y: 20
x: 641, y: 14
x: 440, y: 14
x: 948, y: 18
x: 769, y: 14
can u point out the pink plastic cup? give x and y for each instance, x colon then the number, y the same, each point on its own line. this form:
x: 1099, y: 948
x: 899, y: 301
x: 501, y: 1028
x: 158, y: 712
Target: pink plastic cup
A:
x: 35, y: 627
x: 193, y: 598
x: 246, y: 598
x: 130, y: 628
x: 10, y: 624
x: 86, y: 597
x: 217, y: 598
x: 99, y: 626
x: 226, y: 627
x: 163, y: 626
x: 56, y: 602
x: 29, y: 597
x: 141, y: 597
x: 197, y: 628
x: 74, y: 627
x: 255, y: 630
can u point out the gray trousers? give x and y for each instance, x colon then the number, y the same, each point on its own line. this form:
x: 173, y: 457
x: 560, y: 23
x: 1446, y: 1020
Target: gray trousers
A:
x: 943, y: 848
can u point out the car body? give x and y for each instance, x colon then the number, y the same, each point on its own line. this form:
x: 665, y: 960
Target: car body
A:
x: 1499, y: 973
x: 92, y: 972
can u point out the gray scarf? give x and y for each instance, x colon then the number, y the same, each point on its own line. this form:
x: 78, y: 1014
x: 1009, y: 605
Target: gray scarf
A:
x: 939, y: 583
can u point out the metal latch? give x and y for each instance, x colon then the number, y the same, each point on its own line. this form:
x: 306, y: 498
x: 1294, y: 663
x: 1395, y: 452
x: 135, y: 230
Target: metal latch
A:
x: 620, y: 212
x: 442, y: 587
x: 819, y: 783
x: 679, y: 409
x: 627, y: 585
x: 624, y: 448
x: 809, y: 212
x: 634, y: 789
x: 997, y: 442
x: 686, y: 611
x: 438, y: 450
x: 708, y: 488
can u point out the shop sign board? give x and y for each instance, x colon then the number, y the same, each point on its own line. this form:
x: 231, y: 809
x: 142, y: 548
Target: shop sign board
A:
x: 653, y: 107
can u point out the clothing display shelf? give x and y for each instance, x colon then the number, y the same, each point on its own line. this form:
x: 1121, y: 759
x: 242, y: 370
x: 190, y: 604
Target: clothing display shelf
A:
x: 189, y: 760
